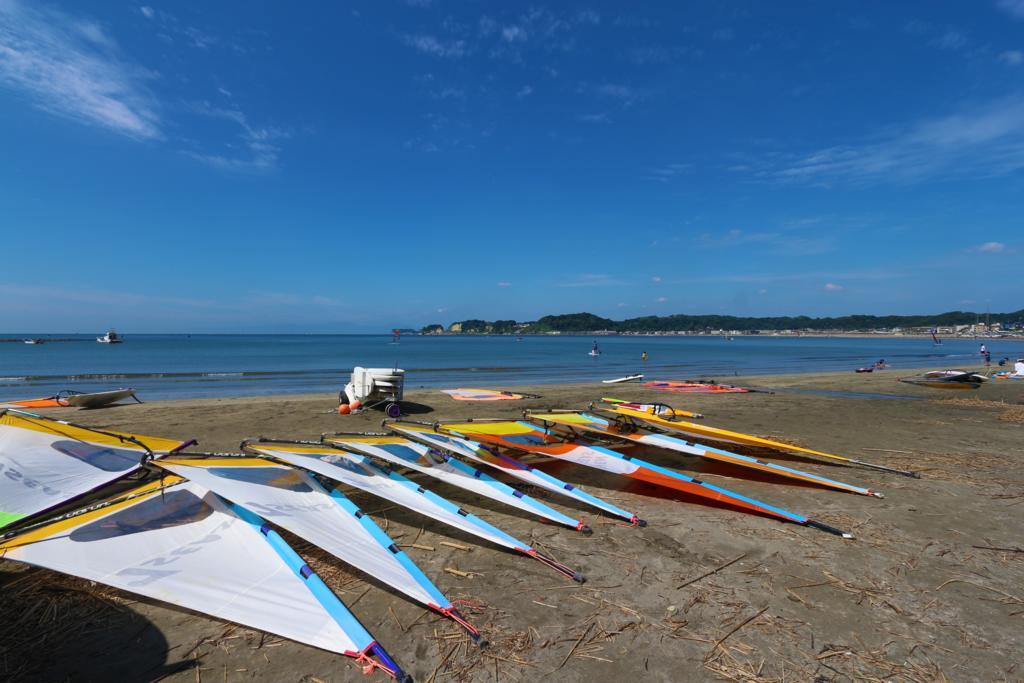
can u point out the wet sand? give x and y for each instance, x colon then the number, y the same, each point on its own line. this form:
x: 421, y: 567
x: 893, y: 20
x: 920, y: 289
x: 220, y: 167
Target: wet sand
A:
x: 929, y: 588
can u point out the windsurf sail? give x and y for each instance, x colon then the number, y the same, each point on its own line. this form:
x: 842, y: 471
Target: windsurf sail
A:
x: 492, y: 457
x: 75, y: 398
x: 425, y: 460
x: 485, y: 395
x: 696, y: 387
x: 654, y: 408
x: 176, y: 542
x: 293, y: 500
x: 669, y: 422
x: 530, y: 438
x: 380, y: 480
x: 624, y: 428
x: 45, y: 463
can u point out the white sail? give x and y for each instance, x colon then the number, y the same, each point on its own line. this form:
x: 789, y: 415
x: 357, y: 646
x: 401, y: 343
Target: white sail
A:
x: 184, y: 545
x: 293, y: 500
x: 357, y: 471
x: 44, y: 463
x: 422, y: 459
x: 474, y: 451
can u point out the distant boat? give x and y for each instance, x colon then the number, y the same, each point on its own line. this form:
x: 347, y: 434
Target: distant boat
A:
x: 33, y: 341
x: 111, y: 337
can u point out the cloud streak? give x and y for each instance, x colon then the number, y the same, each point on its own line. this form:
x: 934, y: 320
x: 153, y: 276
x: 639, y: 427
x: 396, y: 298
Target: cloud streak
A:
x: 70, y: 67
x: 984, y: 140
x: 436, y: 47
x: 988, y: 248
x: 261, y: 143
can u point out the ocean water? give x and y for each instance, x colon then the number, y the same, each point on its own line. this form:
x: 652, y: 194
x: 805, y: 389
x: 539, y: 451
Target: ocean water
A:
x: 190, y: 366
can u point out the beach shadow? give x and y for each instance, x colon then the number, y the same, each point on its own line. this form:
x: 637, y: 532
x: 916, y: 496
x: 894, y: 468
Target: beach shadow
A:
x: 59, y: 628
x: 411, y: 408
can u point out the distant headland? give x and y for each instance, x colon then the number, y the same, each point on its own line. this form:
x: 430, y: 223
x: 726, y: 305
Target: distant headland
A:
x: 952, y: 323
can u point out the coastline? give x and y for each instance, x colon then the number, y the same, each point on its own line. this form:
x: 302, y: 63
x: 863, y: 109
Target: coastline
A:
x: 909, y: 596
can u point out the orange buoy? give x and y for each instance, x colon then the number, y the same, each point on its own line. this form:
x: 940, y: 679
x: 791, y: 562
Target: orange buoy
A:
x: 343, y: 409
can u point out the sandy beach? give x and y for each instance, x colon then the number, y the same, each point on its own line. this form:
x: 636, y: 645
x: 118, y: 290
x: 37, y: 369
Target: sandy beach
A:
x: 929, y: 589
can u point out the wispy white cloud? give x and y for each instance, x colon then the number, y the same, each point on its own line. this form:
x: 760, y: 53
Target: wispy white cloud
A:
x: 988, y: 248
x: 72, y: 68
x: 985, y: 139
x: 1012, y: 57
x: 172, y: 30
x: 503, y: 283
x: 661, y: 299
x: 525, y: 91
x: 599, y: 117
x: 790, y: 242
x: 951, y: 40
x: 664, y: 174
x: 421, y: 145
x: 513, y: 34
x: 1014, y: 8
x: 437, y: 47
x: 41, y: 295
x: 833, y: 287
x: 616, y: 91
x: 591, y: 280
x: 259, y: 145
x: 656, y: 279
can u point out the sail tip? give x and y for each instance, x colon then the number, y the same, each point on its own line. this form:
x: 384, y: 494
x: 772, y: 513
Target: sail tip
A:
x: 830, y: 529
x: 876, y: 494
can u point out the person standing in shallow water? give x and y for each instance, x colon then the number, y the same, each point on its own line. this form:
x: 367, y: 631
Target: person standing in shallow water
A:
x: 643, y: 356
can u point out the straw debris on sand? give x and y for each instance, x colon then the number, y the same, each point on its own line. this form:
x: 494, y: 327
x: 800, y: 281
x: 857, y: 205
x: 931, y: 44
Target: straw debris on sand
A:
x: 929, y: 590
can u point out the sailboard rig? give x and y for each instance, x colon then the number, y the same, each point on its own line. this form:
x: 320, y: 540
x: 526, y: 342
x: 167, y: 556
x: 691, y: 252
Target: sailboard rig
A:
x: 670, y: 422
x: 362, y: 473
x: 654, y: 408
x: 531, y: 438
x: 625, y: 428
x: 76, y: 399
x: 492, y: 457
x: 696, y: 387
x: 179, y: 543
x: 946, y: 379
x: 486, y: 395
x: 935, y: 339
x: 402, y: 452
x: 295, y: 501
x: 45, y: 463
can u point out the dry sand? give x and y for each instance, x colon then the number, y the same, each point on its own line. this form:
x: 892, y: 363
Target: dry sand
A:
x: 930, y: 589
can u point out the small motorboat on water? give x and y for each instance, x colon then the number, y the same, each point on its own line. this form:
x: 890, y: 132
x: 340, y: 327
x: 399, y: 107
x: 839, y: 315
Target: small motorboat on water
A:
x: 33, y: 341
x: 111, y: 337
x: 946, y: 379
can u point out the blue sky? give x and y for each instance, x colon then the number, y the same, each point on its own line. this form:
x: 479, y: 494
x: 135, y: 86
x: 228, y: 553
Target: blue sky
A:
x: 240, y: 166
